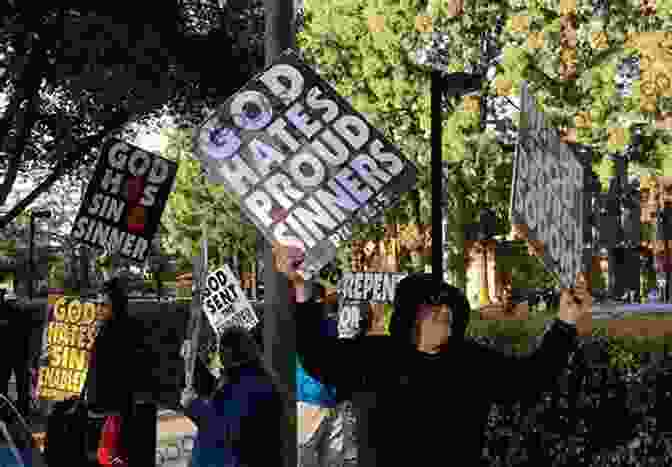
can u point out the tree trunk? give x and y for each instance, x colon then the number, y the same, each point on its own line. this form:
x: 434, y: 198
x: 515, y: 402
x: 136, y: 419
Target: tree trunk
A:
x: 460, y: 263
x: 485, y: 286
x: 27, y: 89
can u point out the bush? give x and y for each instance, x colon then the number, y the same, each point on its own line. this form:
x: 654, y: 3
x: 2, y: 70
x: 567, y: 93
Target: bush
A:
x: 597, y: 415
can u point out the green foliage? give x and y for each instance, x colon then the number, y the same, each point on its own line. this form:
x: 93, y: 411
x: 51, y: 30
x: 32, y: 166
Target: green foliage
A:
x: 57, y: 273
x: 88, y: 69
x: 194, y: 202
x: 374, y: 68
x: 527, y: 271
x: 375, y: 71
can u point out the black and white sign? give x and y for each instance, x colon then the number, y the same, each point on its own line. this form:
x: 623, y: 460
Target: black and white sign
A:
x: 224, y: 302
x: 356, y: 291
x: 548, y: 192
x: 303, y: 162
x: 122, y: 207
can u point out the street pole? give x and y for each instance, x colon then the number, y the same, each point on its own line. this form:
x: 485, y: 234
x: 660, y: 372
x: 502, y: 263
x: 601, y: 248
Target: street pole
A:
x: 616, y: 252
x: 437, y: 175
x: 193, y: 331
x: 30, y: 256
x: 200, y: 272
x: 279, y: 327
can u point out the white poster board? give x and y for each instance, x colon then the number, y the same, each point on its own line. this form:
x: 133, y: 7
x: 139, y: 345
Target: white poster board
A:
x: 225, y: 303
x: 356, y: 291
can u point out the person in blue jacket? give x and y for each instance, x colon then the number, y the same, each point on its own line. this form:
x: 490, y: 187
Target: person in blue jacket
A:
x: 239, y: 415
x: 325, y: 425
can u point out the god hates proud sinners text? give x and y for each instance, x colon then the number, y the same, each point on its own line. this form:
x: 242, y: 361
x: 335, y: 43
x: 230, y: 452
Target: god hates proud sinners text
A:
x: 349, y: 165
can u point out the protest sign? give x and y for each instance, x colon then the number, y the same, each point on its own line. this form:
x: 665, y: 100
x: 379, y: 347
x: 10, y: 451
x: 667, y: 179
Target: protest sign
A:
x: 71, y: 331
x: 224, y: 305
x: 124, y: 200
x: 547, y: 193
x: 303, y: 163
x: 224, y: 302
x: 356, y: 291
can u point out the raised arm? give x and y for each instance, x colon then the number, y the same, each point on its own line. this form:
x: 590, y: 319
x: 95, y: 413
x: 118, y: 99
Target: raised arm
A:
x: 516, y: 378
x: 332, y: 361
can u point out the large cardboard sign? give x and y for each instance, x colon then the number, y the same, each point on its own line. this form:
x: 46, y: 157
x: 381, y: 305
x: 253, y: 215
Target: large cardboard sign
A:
x: 225, y: 303
x: 72, y: 327
x: 356, y: 291
x: 122, y: 207
x: 303, y: 162
x: 548, y: 192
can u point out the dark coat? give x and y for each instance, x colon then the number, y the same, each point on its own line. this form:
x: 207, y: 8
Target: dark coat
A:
x: 241, y: 425
x: 15, y: 331
x: 414, y: 408
x: 120, y: 368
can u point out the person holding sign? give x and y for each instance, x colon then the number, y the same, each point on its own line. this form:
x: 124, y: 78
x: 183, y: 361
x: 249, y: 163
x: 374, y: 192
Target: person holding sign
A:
x: 119, y: 368
x: 238, y: 415
x: 324, y: 435
x: 426, y: 369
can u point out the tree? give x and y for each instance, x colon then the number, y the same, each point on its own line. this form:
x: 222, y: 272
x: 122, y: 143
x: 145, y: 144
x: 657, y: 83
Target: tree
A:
x: 195, y: 201
x: 369, y: 52
x: 76, y: 72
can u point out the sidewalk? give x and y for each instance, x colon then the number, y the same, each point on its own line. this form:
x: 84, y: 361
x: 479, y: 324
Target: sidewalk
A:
x: 175, y: 433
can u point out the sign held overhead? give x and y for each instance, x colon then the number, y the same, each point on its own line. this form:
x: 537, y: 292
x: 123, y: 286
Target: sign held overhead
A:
x: 124, y: 200
x: 547, y: 194
x: 305, y: 165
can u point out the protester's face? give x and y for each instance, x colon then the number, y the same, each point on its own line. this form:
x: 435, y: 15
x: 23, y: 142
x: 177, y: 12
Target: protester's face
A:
x: 105, y: 308
x: 432, y: 327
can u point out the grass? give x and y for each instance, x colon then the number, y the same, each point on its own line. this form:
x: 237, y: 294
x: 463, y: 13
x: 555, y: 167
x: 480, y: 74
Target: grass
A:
x: 633, y: 331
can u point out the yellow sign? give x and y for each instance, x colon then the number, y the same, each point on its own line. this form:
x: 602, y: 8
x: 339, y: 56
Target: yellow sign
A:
x: 71, y: 332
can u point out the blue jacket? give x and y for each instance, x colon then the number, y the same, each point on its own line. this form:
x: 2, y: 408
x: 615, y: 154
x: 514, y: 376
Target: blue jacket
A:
x: 309, y: 389
x: 237, y: 422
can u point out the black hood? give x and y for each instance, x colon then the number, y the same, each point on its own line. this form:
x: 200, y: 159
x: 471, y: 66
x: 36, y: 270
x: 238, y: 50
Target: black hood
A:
x: 416, y: 289
x: 116, y: 288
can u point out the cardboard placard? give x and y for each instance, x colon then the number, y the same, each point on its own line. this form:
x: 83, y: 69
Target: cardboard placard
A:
x: 547, y: 193
x: 305, y: 165
x: 356, y: 290
x: 71, y: 332
x: 225, y: 303
x: 124, y: 200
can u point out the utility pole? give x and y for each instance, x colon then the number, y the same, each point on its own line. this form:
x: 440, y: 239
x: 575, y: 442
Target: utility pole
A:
x: 279, y: 327
x: 437, y: 176
x: 623, y: 208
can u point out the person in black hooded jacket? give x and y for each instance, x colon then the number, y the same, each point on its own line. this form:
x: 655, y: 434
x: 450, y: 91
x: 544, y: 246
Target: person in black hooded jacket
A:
x: 15, y: 342
x: 120, y: 368
x: 422, y: 395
